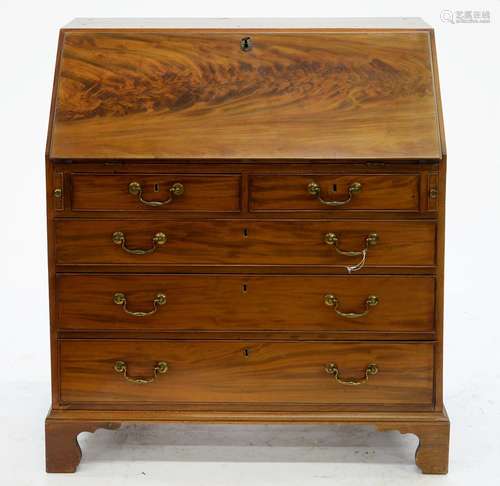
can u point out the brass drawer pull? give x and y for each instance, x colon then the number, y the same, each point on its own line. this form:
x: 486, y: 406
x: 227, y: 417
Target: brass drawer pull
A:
x: 332, y: 369
x: 158, y: 240
x: 331, y: 300
x: 121, y: 299
x: 176, y: 189
x: 332, y: 239
x: 159, y: 369
x: 370, y: 240
x: 315, y: 190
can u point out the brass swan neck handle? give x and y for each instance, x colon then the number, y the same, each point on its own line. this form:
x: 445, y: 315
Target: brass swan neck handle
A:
x: 120, y: 298
x: 314, y: 189
x: 332, y: 301
x: 159, y: 369
x: 371, y: 240
x: 370, y: 370
x: 175, y: 190
x: 118, y: 238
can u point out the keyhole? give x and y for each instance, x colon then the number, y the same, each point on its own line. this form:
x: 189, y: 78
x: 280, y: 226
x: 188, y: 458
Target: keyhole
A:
x: 246, y: 44
x: 334, y: 188
x: 157, y: 187
x: 244, y: 288
x: 245, y: 232
x: 246, y: 352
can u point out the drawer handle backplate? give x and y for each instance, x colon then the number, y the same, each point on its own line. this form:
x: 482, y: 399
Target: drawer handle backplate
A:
x: 371, y: 240
x: 118, y: 238
x: 314, y: 189
x: 175, y: 190
x: 333, y: 301
x: 120, y: 298
x: 332, y: 369
x: 159, y: 369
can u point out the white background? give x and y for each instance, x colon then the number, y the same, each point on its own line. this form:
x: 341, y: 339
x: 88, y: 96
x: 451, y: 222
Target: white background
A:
x: 470, y: 80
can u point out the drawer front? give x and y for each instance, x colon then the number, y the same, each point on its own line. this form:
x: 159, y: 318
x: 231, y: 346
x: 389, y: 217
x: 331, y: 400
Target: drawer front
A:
x: 158, y: 192
x: 391, y: 192
x: 249, y: 303
x: 237, y: 242
x: 229, y: 372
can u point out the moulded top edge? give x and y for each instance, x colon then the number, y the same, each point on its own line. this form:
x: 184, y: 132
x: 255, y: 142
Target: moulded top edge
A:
x: 249, y: 23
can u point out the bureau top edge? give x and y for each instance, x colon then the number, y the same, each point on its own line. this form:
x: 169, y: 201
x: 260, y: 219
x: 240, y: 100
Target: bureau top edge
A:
x: 249, y: 23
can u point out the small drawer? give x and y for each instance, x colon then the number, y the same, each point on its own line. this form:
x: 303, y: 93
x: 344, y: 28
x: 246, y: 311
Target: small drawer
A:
x: 224, y: 373
x: 246, y: 303
x: 155, y: 192
x: 331, y: 192
x: 348, y: 244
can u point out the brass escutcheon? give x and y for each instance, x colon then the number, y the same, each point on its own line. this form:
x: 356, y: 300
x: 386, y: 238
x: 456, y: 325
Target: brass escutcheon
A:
x: 246, y: 44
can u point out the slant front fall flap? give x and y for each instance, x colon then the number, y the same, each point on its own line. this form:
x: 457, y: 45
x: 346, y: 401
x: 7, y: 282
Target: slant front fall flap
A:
x: 189, y: 94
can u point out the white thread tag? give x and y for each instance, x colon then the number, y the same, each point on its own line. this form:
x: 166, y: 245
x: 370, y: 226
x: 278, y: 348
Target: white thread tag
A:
x: 358, y: 266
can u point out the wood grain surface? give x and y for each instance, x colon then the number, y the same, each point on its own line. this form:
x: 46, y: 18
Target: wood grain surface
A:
x: 378, y: 192
x: 62, y: 451
x: 198, y: 95
x: 202, y: 193
x: 235, y: 242
x: 225, y: 372
x: 432, y: 453
x: 246, y: 303
x: 245, y: 330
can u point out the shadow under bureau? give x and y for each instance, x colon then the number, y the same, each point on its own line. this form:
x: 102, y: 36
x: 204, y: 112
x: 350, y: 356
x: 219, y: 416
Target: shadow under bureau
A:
x: 246, y: 224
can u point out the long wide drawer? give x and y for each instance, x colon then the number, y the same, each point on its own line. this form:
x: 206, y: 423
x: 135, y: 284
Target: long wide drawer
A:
x: 251, y: 372
x: 245, y: 303
x: 239, y: 242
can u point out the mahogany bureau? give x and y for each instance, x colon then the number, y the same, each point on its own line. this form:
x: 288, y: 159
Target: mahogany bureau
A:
x: 246, y: 224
